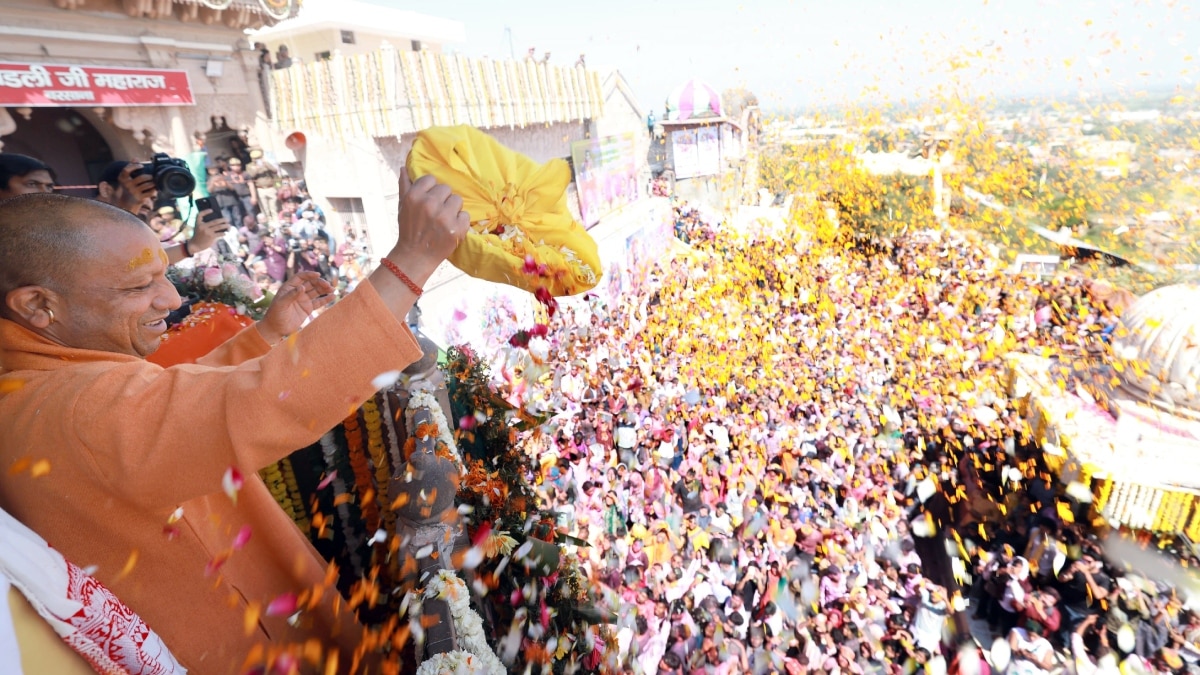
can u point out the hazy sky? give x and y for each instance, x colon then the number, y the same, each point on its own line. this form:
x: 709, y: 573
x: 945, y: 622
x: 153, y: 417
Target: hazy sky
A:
x: 832, y: 51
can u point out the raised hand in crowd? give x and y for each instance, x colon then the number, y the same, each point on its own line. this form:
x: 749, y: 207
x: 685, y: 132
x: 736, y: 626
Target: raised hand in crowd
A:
x: 296, y: 300
x: 207, y: 232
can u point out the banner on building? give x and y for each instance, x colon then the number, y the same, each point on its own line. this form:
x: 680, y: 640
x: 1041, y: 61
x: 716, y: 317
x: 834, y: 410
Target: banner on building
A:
x: 708, y: 151
x: 605, y: 175
x: 685, y: 160
x: 38, y: 85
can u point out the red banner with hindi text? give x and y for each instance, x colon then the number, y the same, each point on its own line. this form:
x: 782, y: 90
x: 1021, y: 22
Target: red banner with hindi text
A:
x: 39, y: 85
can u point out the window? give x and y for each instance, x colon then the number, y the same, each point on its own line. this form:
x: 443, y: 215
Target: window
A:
x: 324, y: 56
x: 347, y: 37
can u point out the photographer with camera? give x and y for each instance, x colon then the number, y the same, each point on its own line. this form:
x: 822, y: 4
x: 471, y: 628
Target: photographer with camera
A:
x: 134, y: 187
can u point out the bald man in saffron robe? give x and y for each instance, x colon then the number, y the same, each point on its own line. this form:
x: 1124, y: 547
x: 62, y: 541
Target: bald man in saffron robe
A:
x: 125, y: 467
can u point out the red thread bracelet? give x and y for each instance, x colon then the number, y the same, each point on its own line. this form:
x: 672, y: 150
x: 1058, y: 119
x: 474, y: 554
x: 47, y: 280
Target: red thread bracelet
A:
x: 395, y: 269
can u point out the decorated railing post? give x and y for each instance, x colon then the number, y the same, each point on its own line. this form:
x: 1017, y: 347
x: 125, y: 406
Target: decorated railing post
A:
x: 422, y: 490
x: 428, y: 527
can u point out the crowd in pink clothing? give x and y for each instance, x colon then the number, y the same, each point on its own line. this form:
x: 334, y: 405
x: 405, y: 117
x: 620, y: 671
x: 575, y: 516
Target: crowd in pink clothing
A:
x: 764, y: 446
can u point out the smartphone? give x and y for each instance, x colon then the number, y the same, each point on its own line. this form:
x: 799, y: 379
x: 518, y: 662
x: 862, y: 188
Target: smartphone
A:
x: 206, y: 204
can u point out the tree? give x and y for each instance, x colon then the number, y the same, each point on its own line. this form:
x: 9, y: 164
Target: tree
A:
x: 737, y: 99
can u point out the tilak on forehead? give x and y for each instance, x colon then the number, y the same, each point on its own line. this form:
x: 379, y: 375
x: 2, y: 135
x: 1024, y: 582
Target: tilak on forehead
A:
x: 144, y: 258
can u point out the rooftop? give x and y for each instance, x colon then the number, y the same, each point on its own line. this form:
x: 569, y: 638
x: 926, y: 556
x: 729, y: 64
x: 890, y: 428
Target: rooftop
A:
x: 1159, y: 349
x: 319, y: 15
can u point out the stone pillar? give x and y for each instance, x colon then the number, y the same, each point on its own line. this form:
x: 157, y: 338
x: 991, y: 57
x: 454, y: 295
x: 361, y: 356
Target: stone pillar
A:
x: 180, y: 140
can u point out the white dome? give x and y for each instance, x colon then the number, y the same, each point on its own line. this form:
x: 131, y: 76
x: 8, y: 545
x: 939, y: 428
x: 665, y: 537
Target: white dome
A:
x: 1159, y: 346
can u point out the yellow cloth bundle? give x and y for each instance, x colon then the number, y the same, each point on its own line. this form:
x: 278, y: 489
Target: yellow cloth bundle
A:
x: 518, y: 211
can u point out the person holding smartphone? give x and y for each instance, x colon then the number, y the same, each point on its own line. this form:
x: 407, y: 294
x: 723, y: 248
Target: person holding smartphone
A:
x: 120, y: 185
x: 209, y: 227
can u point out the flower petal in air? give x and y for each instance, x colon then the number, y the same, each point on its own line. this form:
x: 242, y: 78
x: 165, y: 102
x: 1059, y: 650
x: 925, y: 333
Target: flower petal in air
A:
x: 242, y: 538
x: 282, y: 605
x: 232, y: 483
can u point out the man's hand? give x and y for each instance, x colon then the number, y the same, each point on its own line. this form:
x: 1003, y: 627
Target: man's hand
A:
x: 140, y: 191
x: 207, y: 232
x: 295, y: 302
x: 431, y: 224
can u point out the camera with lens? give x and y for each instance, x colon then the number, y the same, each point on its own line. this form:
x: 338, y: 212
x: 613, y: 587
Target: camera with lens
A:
x: 172, y: 178
x: 294, y: 244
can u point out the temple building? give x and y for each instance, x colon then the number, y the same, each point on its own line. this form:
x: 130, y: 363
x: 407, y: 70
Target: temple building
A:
x: 1136, y: 442
x: 85, y: 82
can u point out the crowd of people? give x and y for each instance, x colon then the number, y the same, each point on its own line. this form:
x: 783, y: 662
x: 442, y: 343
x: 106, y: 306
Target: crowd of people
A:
x: 767, y: 443
x: 277, y: 229
x: 269, y: 226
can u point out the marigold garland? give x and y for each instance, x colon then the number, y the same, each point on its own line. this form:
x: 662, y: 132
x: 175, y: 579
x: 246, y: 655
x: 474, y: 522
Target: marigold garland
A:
x: 377, y: 451
x: 1102, y: 493
x: 393, y: 429
x: 362, y: 474
x: 272, y: 476
x: 337, y: 466
x: 299, y: 513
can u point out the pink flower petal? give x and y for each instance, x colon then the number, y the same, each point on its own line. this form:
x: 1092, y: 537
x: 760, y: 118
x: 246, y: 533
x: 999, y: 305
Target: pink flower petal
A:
x: 216, y: 563
x: 282, y: 605
x: 232, y: 483
x: 286, y: 664
x: 242, y: 538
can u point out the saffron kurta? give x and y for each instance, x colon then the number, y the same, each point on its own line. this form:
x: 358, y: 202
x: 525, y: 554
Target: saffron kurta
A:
x: 129, y: 442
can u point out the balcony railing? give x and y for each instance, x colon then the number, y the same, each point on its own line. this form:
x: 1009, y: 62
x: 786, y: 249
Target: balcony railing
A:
x: 390, y: 93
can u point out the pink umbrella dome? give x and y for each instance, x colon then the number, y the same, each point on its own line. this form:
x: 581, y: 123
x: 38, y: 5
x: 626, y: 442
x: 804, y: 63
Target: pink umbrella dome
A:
x: 693, y: 98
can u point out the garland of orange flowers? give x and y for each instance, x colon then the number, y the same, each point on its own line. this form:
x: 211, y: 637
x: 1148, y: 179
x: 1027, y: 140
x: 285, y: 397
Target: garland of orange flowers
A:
x: 373, y: 418
x: 362, y: 474
x: 424, y: 430
x: 487, y: 484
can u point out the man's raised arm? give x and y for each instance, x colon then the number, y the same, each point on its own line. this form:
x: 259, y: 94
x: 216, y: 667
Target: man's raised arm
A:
x: 197, y: 421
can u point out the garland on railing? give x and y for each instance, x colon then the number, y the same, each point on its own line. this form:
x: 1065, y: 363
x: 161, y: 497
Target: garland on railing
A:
x: 377, y: 451
x: 337, y: 460
x: 473, y: 654
x: 505, y: 519
x: 363, y: 484
x: 281, y: 483
x: 526, y: 584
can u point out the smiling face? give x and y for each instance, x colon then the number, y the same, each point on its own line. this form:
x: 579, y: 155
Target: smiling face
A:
x: 119, y: 301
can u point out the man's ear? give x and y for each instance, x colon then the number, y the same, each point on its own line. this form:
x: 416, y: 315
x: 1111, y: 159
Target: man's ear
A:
x: 108, y: 193
x: 31, y: 305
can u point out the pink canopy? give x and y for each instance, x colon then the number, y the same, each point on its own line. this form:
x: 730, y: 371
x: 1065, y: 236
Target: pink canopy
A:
x: 693, y: 98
